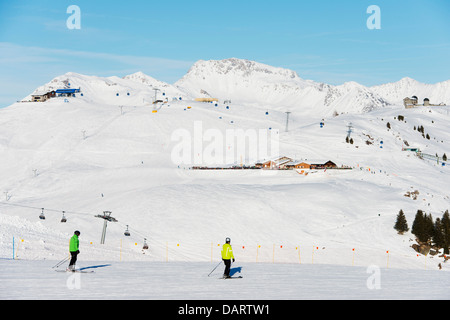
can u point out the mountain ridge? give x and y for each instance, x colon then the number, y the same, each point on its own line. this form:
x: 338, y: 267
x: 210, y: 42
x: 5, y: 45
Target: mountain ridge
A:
x: 251, y: 82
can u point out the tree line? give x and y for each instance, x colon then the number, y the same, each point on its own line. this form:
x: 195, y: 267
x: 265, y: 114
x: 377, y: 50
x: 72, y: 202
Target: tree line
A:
x: 426, y: 230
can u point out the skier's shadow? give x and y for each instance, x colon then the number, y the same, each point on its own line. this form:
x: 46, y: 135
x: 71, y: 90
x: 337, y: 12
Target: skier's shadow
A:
x: 95, y: 267
x: 233, y: 271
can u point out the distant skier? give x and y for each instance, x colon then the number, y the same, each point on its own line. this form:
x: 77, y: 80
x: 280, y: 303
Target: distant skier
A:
x: 74, y: 245
x: 227, y: 256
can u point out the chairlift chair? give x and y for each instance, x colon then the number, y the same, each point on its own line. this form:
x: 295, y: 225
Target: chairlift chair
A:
x: 42, y: 216
x: 63, y: 219
x: 145, y: 247
x: 127, y: 233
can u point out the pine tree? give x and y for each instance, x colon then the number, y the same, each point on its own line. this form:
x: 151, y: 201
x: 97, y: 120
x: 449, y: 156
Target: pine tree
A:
x: 444, y: 157
x: 438, y: 235
x: 401, y: 225
x: 446, y: 231
x: 418, y: 222
x: 418, y: 226
x: 428, y: 228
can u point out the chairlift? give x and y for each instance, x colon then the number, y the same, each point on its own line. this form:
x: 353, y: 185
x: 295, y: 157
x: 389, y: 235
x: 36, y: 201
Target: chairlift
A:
x: 145, y: 247
x: 127, y: 233
x: 42, y: 216
x: 63, y: 219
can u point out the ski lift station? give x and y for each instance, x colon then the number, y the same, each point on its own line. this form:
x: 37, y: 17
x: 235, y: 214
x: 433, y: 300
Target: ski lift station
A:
x: 66, y: 92
x: 44, y: 96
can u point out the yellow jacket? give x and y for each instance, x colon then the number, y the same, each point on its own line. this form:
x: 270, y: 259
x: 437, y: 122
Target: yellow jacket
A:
x: 227, y: 252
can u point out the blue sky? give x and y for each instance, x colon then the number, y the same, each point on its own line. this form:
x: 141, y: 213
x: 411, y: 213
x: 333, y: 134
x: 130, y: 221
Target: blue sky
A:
x: 325, y: 41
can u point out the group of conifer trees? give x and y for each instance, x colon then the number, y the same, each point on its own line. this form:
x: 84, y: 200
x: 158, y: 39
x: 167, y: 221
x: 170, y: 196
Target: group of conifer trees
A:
x: 426, y: 230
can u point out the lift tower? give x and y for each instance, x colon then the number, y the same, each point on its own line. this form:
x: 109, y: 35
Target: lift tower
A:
x: 107, y: 217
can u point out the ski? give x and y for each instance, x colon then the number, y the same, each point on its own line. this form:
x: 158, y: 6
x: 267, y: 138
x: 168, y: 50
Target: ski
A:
x: 239, y: 277
x: 74, y: 271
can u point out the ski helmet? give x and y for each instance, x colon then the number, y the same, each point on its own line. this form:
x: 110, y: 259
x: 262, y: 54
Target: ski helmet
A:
x: 227, y: 240
x: 77, y: 233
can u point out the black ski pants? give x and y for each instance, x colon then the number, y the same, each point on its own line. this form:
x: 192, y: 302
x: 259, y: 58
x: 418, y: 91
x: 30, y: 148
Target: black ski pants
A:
x: 73, y: 259
x: 227, y: 267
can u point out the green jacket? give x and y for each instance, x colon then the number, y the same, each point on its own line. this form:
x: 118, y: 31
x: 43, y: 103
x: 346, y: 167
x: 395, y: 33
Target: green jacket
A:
x: 227, y: 252
x: 74, y: 243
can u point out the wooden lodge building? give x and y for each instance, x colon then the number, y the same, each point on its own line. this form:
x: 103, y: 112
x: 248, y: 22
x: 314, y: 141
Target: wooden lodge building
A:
x: 207, y: 100
x: 298, y: 165
x: 44, y: 96
x: 285, y: 163
x: 327, y: 165
x: 414, y: 102
x: 281, y: 163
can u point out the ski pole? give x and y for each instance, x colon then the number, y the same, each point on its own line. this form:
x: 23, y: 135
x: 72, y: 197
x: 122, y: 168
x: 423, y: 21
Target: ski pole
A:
x: 60, y: 263
x: 215, y: 268
x: 63, y: 261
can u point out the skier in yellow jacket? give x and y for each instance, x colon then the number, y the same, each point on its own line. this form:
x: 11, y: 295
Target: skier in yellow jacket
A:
x: 227, y: 256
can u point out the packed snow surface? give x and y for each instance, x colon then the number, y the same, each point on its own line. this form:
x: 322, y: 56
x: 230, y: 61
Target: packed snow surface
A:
x: 190, y: 281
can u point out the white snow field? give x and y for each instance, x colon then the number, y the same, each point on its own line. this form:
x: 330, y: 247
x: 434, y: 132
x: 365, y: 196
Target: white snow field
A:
x: 189, y: 281
x: 306, y: 236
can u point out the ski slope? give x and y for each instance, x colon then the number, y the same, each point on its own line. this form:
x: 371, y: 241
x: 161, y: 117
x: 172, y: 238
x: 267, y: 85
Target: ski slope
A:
x: 90, y: 155
x: 180, y: 281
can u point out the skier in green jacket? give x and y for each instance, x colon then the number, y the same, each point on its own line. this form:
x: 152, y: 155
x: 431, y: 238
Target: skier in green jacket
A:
x: 227, y: 256
x: 74, y: 245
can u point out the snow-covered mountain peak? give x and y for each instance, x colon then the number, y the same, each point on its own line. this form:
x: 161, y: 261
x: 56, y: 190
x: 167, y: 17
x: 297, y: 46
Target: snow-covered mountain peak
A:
x: 249, y: 82
x: 145, y: 79
x: 408, y: 80
x: 395, y: 92
x: 65, y: 81
x: 131, y: 89
x: 239, y: 67
x: 352, y: 85
x: 273, y: 87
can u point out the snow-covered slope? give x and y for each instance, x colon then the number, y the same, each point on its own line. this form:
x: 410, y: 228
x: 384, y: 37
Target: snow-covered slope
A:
x: 247, y: 81
x: 178, y: 284
x: 395, y: 92
x: 242, y: 80
x: 251, y: 83
x: 86, y: 156
x: 164, y: 88
x: 134, y: 89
